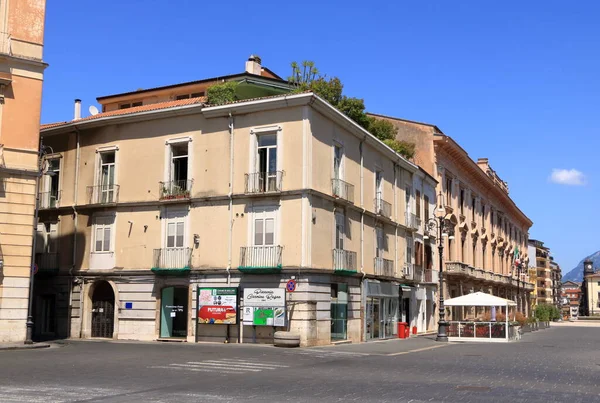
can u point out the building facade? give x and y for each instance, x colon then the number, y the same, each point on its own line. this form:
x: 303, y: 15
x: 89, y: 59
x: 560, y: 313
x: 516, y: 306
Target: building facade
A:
x: 571, y: 294
x: 158, y: 199
x: 21, y: 75
x: 487, y: 249
x: 592, y: 294
x: 548, y: 274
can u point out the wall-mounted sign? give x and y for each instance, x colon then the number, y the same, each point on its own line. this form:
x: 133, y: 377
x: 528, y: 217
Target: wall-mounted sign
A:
x: 291, y: 285
x: 264, y: 307
x: 267, y: 297
x: 217, y: 305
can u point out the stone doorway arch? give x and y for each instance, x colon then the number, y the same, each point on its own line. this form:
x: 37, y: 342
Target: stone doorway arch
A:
x: 102, y: 298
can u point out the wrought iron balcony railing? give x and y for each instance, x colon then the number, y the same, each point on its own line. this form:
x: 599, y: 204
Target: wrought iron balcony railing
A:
x: 384, y: 267
x: 344, y: 260
x: 172, y: 258
x: 264, y: 182
x: 260, y: 257
x: 50, y: 199
x: 103, y: 194
x: 179, y: 189
x: 47, y: 262
x: 412, y: 221
x: 382, y: 207
x: 342, y: 190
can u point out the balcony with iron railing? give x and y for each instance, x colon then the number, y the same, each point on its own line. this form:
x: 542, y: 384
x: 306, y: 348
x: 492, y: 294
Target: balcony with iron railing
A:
x: 382, y: 207
x: 49, y: 199
x: 260, y: 259
x: 412, y: 221
x: 103, y: 194
x: 384, y: 267
x: 344, y: 261
x: 172, y: 261
x: 342, y: 190
x: 175, y: 190
x: 263, y: 182
x: 47, y: 263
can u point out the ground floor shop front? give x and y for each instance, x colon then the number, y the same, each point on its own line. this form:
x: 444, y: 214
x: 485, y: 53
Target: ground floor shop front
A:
x: 323, y: 308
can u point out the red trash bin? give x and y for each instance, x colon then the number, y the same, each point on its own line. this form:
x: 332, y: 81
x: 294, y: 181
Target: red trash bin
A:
x: 402, y: 330
x: 414, y: 330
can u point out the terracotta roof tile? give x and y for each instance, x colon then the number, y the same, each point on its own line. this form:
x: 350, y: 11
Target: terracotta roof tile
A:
x: 128, y: 111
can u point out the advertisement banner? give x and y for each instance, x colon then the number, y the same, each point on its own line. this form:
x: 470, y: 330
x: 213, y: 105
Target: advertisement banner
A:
x: 217, y: 306
x: 264, y: 297
x: 264, y: 307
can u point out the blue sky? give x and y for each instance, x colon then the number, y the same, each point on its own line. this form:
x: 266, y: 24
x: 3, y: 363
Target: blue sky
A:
x: 517, y: 82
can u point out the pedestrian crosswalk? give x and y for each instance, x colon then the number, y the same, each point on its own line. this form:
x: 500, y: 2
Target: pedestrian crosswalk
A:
x: 224, y: 366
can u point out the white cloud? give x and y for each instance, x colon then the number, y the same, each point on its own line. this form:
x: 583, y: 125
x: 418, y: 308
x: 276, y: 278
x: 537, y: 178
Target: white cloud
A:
x: 571, y: 177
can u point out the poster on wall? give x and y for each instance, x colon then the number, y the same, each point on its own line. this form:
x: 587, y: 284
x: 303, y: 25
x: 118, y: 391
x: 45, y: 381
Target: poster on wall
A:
x: 264, y: 307
x: 217, y: 306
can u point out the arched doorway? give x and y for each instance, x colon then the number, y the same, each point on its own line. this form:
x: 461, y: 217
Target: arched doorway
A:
x: 174, y: 312
x: 103, y: 310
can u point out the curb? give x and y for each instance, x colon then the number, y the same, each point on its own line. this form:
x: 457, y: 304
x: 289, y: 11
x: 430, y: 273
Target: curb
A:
x: 24, y: 346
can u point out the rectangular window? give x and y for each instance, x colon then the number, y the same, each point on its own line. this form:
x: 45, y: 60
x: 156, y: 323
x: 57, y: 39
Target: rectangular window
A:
x: 103, y: 227
x: 107, y: 177
x: 338, y: 155
x: 340, y: 230
x: 51, y: 180
x: 197, y: 94
x: 175, y: 230
x: 418, y: 254
x: 462, y: 201
x: 124, y: 106
x: 418, y: 203
x: 473, y: 207
x: 179, y: 163
x: 184, y: 96
x: 134, y: 104
x: 408, y: 196
x: 266, y: 162
x: 380, y: 239
x: 426, y: 206
x: 379, y: 184
x: 409, y: 250
x: 264, y: 226
x: 448, y: 191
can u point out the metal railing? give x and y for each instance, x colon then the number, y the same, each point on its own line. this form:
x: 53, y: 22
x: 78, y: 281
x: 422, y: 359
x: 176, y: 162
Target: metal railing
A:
x: 261, y: 257
x: 172, y: 258
x: 412, y: 221
x: 382, y: 207
x: 5, y: 45
x: 103, y: 194
x: 480, y: 330
x: 344, y: 260
x: 263, y: 182
x: 49, y: 199
x: 46, y: 261
x: 407, y: 270
x: 342, y: 190
x: 179, y: 189
x: 384, y: 267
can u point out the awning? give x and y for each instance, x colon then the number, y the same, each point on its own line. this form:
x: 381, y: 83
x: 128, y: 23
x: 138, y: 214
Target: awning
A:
x: 406, y: 288
x: 382, y: 289
x: 479, y: 299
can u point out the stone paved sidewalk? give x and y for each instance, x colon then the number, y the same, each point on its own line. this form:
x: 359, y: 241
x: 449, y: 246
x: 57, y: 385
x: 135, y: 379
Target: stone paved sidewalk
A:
x: 387, y: 347
x: 22, y: 346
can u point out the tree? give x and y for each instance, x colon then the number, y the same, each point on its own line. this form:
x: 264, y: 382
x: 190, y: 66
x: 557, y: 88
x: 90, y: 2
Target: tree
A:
x: 308, y: 78
x: 223, y: 93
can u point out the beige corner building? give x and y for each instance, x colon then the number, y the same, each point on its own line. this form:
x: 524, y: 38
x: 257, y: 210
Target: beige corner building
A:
x: 21, y: 74
x: 490, y: 231
x: 160, y: 194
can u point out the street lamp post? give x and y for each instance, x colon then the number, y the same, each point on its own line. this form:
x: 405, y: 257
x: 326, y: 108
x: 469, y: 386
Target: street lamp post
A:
x: 443, y: 228
x: 29, y: 323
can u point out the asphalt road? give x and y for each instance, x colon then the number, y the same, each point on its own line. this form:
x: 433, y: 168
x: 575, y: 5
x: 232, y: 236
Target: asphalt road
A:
x: 561, y: 364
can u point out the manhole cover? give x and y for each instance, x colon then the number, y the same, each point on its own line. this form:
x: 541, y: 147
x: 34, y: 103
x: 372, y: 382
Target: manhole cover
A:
x: 474, y: 388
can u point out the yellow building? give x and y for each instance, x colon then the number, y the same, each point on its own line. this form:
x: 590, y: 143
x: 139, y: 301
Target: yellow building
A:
x: 161, y: 194
x: 593, y: 293
x: 489, y: 230
x: 21, y: 75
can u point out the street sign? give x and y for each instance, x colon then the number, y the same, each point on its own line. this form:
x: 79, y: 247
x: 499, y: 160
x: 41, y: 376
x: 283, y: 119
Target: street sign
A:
x: 291, y: 286
x: 35, y: 269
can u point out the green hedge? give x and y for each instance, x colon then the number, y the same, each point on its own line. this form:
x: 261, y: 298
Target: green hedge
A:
x: 546, y: 313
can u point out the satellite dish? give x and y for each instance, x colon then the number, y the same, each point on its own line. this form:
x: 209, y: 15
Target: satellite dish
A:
x: 93, y: 110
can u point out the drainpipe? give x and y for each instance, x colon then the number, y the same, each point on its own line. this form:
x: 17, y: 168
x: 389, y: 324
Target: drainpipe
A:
x: 230, y: 195
x: 362, y: 213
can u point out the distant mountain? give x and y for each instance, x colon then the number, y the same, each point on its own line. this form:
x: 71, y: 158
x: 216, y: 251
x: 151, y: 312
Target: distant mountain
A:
x: 577, y: 273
